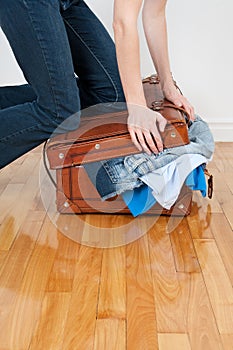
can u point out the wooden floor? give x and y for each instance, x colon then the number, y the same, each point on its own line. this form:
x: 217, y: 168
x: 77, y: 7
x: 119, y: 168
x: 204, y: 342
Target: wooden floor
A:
x: 166, y: 291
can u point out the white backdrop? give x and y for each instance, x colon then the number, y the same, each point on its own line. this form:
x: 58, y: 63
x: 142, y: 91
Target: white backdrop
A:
x: 201, y: 55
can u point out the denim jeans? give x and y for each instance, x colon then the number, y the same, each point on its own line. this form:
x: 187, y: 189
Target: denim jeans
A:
x: 52, y: 42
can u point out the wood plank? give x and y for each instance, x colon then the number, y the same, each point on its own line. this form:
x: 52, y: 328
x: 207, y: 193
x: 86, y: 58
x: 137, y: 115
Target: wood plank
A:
x: 223, y: 155
x: 171, y: 341
x: 183, y: 249
x: 105, y: 231
x: 202, y: 327
x: 112, y: 295
x: 17, y: 258
x: 14, y: 214
x: 2, y: 187
x: 226, y: 201
x: 199, y: 223
x: 206, y: 205
x: 110, y: 334
x: 81, y: 320
x: 223, y: 236
x: 178, y: 294
x: 7, y: 172
x: 3, y: 255
x: 62, y: 273
x: 50, y: 331
x: 229, y: 180
x: 17, y: 330
x: 8, y: 232
x: 218, y: 284
x: 12, y: 271
x: 171, y: 289
x: 141, y: 320
x: 27, y: 169
x: 35, y: 215
x: 227, y: 340
x: 8, y: 197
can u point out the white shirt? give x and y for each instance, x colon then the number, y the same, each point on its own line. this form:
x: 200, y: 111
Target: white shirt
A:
x: 166, y: 182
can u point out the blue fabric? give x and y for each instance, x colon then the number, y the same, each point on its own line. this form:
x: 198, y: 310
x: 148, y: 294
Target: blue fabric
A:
x: 196, y: 180
x: 50, y: 44
x: 141, y: 199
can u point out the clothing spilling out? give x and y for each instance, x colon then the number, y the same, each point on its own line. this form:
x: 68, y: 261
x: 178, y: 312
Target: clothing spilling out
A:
x: 143, y: 180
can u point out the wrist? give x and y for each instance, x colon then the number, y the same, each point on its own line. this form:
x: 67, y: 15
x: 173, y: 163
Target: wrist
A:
x: 167, y: 84
x: 136, y: 99
x: 135, y: 107
x: 166, y: 79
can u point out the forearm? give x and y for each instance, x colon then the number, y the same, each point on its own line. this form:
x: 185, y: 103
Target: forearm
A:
x: 154, y: 23
x: 127, y: 50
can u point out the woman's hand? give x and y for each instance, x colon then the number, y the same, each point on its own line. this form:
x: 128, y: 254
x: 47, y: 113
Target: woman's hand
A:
x: 173, y: 94
x: 143, y: 125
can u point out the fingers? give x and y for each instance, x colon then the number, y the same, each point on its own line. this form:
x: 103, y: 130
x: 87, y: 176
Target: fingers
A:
x: 183, y: 102
x: 189, y: 109
x: 143, y: 140
x: 142, y: 125
x: 134, y: 138
x: 162, y: 122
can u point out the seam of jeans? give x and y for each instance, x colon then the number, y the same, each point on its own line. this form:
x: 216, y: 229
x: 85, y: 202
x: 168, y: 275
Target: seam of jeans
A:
x: 22, y: 131
x: 43, y: 55
x: 106, y: 72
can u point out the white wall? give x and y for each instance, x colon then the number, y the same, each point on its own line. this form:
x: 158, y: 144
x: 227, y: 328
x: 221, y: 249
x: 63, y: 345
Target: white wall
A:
x: 201, y: 55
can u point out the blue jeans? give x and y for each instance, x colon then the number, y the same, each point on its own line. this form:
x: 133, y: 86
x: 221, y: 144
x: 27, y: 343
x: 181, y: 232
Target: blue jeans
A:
x: 51, y: 42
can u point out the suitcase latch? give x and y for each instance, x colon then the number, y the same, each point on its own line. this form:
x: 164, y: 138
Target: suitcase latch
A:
x: 154, y: 79
x: 157, y: 105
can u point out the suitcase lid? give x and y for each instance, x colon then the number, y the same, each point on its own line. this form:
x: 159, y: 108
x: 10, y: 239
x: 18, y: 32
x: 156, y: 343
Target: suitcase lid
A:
x: 106, y: 135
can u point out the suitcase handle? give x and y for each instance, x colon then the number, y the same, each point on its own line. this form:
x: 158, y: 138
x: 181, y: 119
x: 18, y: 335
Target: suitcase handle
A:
x: 159, y: 105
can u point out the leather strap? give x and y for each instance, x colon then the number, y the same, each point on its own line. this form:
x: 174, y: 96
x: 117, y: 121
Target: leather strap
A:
x: 154, y: 79
x: 169, y: 105
x: 210, y: 183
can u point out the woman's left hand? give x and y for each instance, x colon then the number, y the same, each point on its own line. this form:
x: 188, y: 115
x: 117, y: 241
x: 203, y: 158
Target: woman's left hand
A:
x: 173, y: 94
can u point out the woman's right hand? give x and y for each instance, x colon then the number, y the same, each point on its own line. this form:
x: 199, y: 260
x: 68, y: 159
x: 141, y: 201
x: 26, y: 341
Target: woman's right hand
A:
x: 144, y: 126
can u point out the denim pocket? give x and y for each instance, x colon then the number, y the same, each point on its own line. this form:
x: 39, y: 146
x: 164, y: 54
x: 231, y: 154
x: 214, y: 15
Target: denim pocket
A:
x: 139, y: 164
x: 117, y: 172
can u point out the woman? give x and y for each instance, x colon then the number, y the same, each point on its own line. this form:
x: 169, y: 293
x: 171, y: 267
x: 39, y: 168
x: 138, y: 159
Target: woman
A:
x: 51, y: 40
x: 142, y: 121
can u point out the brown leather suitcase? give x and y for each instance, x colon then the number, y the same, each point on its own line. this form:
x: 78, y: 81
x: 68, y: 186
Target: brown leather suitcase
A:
x: 103, y: 137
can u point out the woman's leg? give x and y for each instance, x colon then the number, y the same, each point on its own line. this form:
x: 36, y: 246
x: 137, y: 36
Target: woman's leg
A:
x: 94, y: 56
x: 15, y: 95
x: 37, y: 35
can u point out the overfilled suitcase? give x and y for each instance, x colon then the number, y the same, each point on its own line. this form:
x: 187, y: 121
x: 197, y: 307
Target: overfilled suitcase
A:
x: 105, y: 136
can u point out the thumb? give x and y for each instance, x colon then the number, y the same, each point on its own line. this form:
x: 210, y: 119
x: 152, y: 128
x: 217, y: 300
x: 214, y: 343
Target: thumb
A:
x: 162, y: 123
x: 178, y: 103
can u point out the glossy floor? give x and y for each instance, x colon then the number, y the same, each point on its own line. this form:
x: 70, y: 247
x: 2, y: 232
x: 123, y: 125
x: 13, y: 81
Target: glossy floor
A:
x: 169, y: 289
